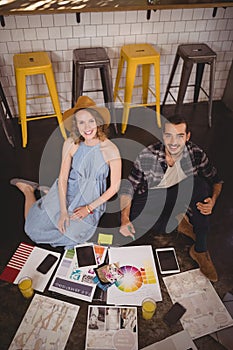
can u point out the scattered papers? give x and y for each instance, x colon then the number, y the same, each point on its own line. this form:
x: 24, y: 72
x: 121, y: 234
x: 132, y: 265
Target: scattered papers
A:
x: 178, y: 341
x: 112, y: 328
x: 46, y: 325
x: 206, y: 312
x: 24, y: 263
x: 73, y: 281
x: 140, y: 278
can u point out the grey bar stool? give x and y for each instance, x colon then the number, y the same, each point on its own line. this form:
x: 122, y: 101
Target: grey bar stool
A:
x: 200, y: 54
x: 88, y: 58
x: 5, y: 117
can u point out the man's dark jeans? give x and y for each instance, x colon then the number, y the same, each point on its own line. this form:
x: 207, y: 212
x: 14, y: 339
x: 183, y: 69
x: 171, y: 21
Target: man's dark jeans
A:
x: 157, y: 209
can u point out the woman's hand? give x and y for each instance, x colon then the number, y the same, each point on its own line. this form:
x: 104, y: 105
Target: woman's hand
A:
x: 79, y: 213
x: 206, y: 207
x: 64, y: 222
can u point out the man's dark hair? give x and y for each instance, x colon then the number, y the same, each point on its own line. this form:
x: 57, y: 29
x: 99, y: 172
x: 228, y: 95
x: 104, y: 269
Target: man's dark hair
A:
x: 175, y: 119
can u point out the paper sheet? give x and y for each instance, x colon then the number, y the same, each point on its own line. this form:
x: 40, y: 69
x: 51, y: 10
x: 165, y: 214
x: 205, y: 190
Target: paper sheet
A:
x: 140, y: 276
x: 46, y: 325
x: 225, y: 336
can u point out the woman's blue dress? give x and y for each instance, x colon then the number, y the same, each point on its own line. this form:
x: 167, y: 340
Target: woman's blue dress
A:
x: 86, y: 182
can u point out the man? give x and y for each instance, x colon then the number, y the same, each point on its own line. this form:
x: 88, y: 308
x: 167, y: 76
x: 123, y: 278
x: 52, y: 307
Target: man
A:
x: 167, y: 180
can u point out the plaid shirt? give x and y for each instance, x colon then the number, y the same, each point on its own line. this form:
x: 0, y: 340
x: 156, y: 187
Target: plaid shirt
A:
x: 150, y: 166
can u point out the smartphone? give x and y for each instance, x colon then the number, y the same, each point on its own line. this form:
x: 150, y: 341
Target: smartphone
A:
x: 47, y: 263
x: 174, y: 314
x: 167, y: 260
x: 86, y: 255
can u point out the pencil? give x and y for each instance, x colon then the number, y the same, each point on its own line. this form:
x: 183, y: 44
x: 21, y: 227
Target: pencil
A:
x: 129, y: 228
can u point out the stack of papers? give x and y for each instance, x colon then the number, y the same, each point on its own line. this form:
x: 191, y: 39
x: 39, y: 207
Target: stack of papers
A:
x: 72, y: 280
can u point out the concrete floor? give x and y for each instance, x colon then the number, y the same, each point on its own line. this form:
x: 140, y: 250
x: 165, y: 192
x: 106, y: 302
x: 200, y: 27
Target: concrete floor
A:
x: 18, y: 162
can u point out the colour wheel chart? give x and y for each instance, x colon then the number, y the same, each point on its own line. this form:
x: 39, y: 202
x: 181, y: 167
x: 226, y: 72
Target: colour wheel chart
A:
x: 134, y: 278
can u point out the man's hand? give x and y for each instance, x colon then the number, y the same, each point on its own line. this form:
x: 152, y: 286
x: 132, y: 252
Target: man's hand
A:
x: 127, y: 229
x: 206, y: 207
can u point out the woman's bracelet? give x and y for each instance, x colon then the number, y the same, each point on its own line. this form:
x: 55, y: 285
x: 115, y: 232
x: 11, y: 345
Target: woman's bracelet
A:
x: 89, y: 210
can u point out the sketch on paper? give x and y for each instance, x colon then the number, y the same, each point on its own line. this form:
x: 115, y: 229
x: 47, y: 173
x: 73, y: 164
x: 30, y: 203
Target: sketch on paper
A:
x: 206, y: 312
x: 46, y: 325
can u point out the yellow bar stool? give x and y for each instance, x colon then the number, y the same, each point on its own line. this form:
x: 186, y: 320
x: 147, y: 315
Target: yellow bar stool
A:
x: 32, y: 63
x: 134, y: 55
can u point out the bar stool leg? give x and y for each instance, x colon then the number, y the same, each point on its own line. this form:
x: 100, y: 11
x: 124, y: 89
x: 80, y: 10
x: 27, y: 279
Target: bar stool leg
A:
x: 129, y: 84
x: 211, y: 90
x: 54, y: 97
x: 4, y: 111
x: 157, y: 90
x: 79, y: 82
x: 106, y: 78
x: 8, y: 111
x: 73, y: 85
x: 198, y: 79
x: 21, y: 96
x: 177, y: 57
x: 145, y: 82
x: 185, y: 75
x: 118, y: 77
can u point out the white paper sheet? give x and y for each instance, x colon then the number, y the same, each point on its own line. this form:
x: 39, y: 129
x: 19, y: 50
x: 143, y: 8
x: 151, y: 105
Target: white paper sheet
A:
x: 206, y: 312
x: 140, y: 276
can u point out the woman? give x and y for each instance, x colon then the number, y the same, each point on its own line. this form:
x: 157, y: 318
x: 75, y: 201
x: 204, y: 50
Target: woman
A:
x: 69, y: 213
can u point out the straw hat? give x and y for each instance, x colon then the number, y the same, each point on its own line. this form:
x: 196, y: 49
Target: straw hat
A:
x: 85, y: 102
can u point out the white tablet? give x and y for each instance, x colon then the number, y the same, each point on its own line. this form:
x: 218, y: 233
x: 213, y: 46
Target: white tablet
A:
x: 167, y: 260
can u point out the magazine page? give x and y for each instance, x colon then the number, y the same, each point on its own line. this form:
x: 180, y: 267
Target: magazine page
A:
x: 112, y: 328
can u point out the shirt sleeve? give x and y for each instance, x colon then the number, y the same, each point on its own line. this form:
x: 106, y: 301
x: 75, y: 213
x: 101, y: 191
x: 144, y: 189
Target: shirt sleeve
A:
x: 208, y: 170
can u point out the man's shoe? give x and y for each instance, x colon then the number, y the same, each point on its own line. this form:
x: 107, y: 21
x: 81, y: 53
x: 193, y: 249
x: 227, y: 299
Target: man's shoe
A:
x: 205, y: 263
x: 185, y: 227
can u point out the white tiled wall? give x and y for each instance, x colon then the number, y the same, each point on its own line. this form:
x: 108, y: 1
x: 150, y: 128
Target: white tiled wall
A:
x: 60, y: 34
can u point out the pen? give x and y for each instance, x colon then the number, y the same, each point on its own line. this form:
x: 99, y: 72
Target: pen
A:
x: 130, y: 229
